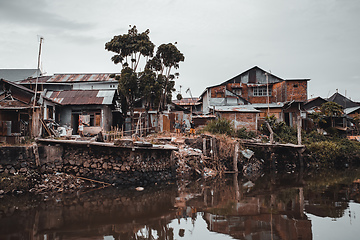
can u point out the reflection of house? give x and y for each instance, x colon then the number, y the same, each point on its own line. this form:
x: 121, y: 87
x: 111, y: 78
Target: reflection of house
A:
x: 264, y: 91
x: 260, y: 216
x: 94, y: 107
x: 19, y: 116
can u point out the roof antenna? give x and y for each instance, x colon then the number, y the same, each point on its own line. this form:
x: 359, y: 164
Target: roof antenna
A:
x: 37, y: 71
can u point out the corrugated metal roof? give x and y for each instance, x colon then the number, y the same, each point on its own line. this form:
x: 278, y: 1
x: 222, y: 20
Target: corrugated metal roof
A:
x: 41, y: 79
x: 82, y: 97
x: 238, y: 108
x: 89, y: 77
x: 13, y: 105
x: 187, y: 101
x: 270, y: 105
x: 350, y: 110
x: 107, y: 95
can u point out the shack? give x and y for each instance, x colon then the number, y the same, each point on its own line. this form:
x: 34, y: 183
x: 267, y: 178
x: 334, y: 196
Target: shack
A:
x: 93, y: 108
x: 19, y: 114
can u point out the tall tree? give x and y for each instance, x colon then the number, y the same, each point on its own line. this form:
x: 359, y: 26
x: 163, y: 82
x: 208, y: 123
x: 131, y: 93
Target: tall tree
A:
x: 155, y: 83
x: 166, y: 59
x: 332, y: 109
x: 129, y: 50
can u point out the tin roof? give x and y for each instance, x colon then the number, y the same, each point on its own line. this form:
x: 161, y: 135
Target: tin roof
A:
x: 9, y: 104
x: 237, y: 108
x: 82, y: 97
x: 351, y: 110
x: 88, y: 77
x: 187, y: 101
x: 270, y: 105
x: 32, y: 80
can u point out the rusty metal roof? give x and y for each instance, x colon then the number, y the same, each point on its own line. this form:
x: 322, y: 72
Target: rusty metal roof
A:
x: 237, y: 108
x: 41, y: 79
x: 88, y: 77
x: 13, y: 104
x: 187, y: 101
x: 82, y: 97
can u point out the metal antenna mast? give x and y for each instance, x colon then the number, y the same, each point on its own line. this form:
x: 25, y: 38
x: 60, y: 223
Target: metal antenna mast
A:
x: 37, y: 72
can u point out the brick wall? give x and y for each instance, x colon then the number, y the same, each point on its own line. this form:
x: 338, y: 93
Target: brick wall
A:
x: 240, y: 120
x: 296, y: 90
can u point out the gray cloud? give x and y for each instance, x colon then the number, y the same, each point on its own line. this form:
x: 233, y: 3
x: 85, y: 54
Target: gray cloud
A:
x: 35, y: 14
x: 220, y: 39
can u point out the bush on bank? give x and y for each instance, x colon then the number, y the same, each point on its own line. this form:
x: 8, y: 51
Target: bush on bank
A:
x: 321, y: 151
x: 224, y: 126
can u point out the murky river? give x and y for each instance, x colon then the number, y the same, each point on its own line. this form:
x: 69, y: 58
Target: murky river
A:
x: 320, y: 205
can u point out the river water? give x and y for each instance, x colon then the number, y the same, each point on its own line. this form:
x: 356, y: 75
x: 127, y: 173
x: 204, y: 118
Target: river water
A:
x: 317, y: 205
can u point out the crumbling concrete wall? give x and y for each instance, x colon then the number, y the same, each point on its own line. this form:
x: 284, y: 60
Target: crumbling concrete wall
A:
x: 109, y: 164
x: 17, y: 159
x: 119, y: 165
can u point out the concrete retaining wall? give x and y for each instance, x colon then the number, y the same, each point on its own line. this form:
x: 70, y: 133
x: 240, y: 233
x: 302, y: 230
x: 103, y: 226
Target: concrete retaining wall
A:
x: 118, y: 165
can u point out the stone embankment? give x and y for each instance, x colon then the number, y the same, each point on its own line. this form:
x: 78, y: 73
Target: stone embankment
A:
x: 97, y: 163
x: 122, y: 163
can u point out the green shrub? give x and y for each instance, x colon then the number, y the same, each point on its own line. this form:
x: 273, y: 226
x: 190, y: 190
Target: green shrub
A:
x: 324, y: 152
x: 244, y: 134
x: 313, y: 136
x: 220, y: 126
x: 282, y: 132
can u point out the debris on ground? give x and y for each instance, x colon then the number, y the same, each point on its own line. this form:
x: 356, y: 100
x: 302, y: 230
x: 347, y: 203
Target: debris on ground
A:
x: 60, y: 182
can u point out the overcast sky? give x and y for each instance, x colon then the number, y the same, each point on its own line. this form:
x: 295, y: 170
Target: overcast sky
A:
x: 316, y: 39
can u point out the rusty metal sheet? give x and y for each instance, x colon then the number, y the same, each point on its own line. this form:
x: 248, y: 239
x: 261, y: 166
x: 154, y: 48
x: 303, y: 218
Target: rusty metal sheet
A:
x: 82, y: 97
x: 13, y: 104
x: 42, y: 79
x: 91, y: 77
x: 187, y: 101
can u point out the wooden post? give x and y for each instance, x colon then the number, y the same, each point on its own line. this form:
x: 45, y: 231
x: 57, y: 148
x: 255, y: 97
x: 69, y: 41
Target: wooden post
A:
x: 211, y: 149
x: 301, y: 201
x: 36, y: 154
x: 299, y: 129
x: 271, y: 133
x: 272, y: 159
x: 214, y: 147
x: 204, y: 146
x: 236, y: 155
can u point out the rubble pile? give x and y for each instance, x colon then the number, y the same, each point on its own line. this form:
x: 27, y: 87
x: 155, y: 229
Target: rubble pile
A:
x: 189, y: 161
x: 192, y: 163
x: 59, y: 182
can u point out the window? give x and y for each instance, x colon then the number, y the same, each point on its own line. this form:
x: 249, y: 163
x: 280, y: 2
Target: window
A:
x: 50, y: 112
x: 237, y: 91
x: 261, y: 91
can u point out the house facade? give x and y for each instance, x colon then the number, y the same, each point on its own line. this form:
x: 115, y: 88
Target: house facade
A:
x: 89, y: 98
x: 20, y: 115
x: 267, y: 93
x: 92, y: 107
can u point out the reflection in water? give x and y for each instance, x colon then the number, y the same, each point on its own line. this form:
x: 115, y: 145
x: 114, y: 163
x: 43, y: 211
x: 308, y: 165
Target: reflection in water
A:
x: 271, y: 207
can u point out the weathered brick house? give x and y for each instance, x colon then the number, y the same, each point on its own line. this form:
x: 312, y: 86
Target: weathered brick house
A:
x: 87, y: 97
x: 19, y: 114
x: 266, y: 92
